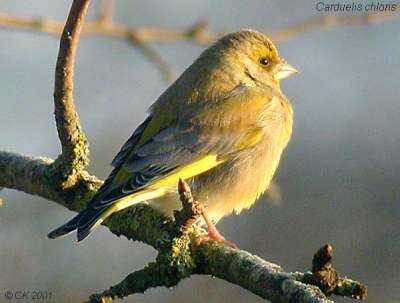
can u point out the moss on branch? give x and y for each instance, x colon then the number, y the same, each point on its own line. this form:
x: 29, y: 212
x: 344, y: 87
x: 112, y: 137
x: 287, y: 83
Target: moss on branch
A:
x: 179, y: 255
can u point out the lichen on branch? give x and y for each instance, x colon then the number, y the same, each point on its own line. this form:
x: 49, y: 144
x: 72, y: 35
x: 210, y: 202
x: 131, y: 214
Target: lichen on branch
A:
x: 74, y: 156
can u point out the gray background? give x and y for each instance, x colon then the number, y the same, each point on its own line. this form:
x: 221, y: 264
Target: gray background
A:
x: 339, y: 176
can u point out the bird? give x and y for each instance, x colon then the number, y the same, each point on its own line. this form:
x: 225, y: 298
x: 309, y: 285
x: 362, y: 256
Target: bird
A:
x: 222, y: 126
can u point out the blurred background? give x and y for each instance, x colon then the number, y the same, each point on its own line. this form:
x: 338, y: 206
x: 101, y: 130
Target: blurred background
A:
x: 339, y: 176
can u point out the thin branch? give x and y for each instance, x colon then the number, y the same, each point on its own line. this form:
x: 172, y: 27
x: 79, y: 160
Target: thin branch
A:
x: 116, y: 30
x: 75, y: 151
x: 136, y: 282
x: 328, y: 279
x: 154, y: 57
x: 199, y: 33
x: 106, y: 12
x: 325, y: 22
x: 191, y: 209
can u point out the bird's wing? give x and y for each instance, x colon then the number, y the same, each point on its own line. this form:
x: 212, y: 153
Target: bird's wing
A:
x: 162, y: 150
x: 131, y: 142
x: 171, y: 154
x: 148, y: 128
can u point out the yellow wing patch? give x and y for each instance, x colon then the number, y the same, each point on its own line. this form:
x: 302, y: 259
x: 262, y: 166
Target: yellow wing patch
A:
x: 187, y: 171
x: 159, y: 187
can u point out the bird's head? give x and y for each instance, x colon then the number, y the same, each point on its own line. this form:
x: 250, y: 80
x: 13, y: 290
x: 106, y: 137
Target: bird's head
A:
x: 248, y: 56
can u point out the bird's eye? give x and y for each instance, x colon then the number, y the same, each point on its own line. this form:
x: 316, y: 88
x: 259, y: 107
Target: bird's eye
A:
x: 264, y: 61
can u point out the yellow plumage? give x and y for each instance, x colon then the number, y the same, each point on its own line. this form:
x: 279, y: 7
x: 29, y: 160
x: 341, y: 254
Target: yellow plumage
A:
x: 222, y: 126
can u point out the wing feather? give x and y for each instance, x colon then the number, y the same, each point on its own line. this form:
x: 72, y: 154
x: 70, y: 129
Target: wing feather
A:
x: 131, y: 142
x: 176, y: 152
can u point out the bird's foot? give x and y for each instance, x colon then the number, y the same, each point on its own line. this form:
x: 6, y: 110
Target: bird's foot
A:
x: 214, y: 234
x: 217, y: 237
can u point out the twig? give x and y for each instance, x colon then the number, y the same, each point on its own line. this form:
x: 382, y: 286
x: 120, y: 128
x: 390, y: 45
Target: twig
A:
x: 328, y: 279
x: 136, y: 282
x: 75, y: 151
x: 154, y: 57
x: 325, y: 276
x: 106, y: 12
x: 198, y: 33
x: 191, y: 209
x: 329, y: 21
x: 116, y: 30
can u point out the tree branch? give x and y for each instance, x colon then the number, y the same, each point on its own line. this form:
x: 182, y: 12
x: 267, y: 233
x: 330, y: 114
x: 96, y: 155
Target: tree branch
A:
x: 325, y: 22
x: 75, y: 151
x: 35, y: 176
x: 136, y: 282
x: 181, y: 254
x: 154, y: 57
x: 264, y: 279
x: 116, y: 30
x: 198, y: 33
x: 144, y: 224
x: 140, y: 37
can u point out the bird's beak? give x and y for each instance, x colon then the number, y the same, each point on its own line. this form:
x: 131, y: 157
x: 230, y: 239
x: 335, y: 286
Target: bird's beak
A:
x: 284, y: 70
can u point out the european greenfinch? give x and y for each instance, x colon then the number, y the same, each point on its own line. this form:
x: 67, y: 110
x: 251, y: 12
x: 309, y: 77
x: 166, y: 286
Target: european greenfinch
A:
x: 221, y: 126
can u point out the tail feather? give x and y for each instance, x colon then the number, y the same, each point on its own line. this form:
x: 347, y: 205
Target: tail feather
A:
x: 91, y: 217
x: 65, y: 229
x: 90, y: 220
x: 83, y: 222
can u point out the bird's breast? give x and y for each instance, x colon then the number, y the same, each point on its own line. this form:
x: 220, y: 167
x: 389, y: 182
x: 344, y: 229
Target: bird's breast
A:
x: 236, y: 184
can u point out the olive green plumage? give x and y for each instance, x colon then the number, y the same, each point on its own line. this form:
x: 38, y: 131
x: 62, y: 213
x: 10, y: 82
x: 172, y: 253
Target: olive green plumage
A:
x: 222, y: 126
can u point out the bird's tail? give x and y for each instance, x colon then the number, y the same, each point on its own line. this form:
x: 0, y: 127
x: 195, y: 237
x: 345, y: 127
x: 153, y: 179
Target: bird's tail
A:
x: 65, y: 229
x: 84, y: 223
x: 91, y: 217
